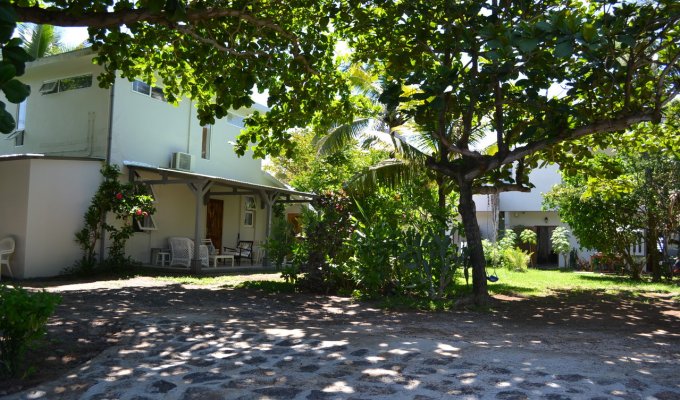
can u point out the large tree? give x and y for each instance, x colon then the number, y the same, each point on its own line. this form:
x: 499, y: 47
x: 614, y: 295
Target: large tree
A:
x: 499, y: 62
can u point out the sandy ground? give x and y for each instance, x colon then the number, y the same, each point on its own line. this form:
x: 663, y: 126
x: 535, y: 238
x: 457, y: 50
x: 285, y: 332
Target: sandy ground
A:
x: 145, y: 339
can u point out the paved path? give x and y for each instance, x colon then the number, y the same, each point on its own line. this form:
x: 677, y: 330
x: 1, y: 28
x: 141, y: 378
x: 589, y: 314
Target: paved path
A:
x: 335, y: 353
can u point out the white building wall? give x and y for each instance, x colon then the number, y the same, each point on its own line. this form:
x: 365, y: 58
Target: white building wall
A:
x: 543, y: 179
x: 14, y: 175
x: 59, y: 194
x: 175, y: 216
x: 43, y: 211
x: 72, y: 123
x: 149, y: 130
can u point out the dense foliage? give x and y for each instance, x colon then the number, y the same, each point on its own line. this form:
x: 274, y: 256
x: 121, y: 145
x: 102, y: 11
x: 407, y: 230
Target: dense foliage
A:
x: 12, y: 65
x: 23, y: 316
x: 126, y: 201
x: 620, y: 198
x: 387, y: 243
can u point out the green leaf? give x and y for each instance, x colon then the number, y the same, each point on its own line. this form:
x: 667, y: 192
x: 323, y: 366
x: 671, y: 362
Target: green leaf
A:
x: 544, y: 26
x: 528, y: 45
x: 6, y: 31
x: 7, y: 123
x: 15, y: 91
x: 7, y: 72
x: 17, y: 56
x: 564, y: 49
x: 7, y: 14
x: 589, y: 32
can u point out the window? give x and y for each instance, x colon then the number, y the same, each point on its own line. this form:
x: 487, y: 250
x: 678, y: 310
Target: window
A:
x: 21, y: 124
x: 236, y: 119
x: 144, y: 223
x: 21, y: 115
x: 19, y: 138
x: 250, y: 203
x: 249, y: 214
x: 248, y: 218
x: 65, y: 84
x: 205, y: 142
x: 154, y: 92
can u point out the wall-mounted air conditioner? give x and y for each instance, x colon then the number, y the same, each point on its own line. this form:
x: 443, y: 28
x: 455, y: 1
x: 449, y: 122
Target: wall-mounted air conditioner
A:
x: 181, y: 161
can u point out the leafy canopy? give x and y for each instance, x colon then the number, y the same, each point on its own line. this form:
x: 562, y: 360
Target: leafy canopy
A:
x: 217, y: 53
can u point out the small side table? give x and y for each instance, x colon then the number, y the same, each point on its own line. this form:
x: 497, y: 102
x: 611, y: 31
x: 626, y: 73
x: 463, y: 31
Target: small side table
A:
x: 223, y: 257
x: 162, y: 258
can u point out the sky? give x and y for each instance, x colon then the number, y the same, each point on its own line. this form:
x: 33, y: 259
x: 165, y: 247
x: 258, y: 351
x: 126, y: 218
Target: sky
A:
x: 73, y: 36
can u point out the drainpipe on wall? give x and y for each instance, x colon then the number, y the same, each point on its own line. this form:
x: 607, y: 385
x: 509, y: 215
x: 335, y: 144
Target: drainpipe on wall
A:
x: 189, y: 127
x: 109, y: 140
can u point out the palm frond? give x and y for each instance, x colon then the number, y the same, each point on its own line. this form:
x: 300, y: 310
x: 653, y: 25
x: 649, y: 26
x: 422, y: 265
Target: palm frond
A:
x: 341, y: 136
x: 388, y: 173
x: 43, y: 40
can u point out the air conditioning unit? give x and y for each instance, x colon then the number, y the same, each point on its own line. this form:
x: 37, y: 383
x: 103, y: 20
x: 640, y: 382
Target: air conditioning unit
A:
x: 181, y: 161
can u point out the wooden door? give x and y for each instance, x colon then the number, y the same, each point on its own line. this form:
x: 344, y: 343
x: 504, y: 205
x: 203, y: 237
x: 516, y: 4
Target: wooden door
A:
x: 213, y: 222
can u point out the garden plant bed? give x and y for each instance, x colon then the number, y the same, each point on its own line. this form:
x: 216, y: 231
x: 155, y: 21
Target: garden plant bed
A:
x: 147, y: 338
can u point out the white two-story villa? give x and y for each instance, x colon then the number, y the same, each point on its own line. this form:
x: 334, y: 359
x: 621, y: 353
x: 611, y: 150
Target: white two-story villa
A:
x: 69, y: 126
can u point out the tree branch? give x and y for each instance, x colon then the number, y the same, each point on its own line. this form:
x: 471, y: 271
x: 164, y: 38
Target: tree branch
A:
x: 66, y: 18
x: 220, y: 47
x: 609, y: 125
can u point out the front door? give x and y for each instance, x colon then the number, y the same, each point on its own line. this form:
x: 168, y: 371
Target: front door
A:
x: 545, y: 256
x: 214, y: 222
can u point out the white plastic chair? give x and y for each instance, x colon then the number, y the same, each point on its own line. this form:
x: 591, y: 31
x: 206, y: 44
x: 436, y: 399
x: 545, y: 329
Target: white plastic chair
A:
x: 182, y: 251
x: 6, y: 251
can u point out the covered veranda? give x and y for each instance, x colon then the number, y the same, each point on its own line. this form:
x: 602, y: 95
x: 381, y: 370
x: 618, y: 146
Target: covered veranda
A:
x: 204, y: 187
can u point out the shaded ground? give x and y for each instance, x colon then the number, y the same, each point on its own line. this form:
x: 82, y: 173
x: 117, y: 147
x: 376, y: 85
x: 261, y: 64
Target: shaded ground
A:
x: 141, y: 338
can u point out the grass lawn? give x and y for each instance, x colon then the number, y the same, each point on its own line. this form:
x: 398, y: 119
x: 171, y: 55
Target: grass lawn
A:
x: 532, y: 283
x: 540, y: 283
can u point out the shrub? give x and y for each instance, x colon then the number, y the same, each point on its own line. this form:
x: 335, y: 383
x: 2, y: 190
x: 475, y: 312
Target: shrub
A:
x: 516, y: 259
x: 23, y: 316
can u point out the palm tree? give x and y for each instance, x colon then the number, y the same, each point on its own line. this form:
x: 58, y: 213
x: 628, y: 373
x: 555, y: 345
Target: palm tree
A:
x: 411, y: 142
x: 42, y: 40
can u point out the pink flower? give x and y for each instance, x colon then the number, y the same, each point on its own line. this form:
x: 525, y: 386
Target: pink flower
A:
x: 119, y: 196
x: 139, y: 212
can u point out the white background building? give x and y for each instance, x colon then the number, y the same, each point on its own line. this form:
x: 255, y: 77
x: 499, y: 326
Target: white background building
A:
x: 69, y: 125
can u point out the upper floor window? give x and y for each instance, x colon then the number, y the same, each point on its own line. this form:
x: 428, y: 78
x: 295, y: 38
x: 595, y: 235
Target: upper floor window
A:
x: 144, y: 88
x: 64, y: 84
x: 205, y: 142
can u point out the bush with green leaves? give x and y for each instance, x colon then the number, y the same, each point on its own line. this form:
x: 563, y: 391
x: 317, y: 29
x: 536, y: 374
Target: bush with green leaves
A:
x: 529, y: 238
x: 280, y: 242
x: 560, y: 242
x: 433, y: 260
x: 516, y: 259
x: 326, y: 228
x: 23, y: 317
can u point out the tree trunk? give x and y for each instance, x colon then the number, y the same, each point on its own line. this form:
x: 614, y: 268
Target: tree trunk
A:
x: 467, y: 211
x: 652, y: 252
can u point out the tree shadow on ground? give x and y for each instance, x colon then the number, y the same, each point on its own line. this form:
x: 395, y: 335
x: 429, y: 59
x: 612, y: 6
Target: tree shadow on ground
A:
x: 149, y: 320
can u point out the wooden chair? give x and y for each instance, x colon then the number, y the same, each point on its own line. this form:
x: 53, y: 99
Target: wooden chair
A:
x: 243, y: 250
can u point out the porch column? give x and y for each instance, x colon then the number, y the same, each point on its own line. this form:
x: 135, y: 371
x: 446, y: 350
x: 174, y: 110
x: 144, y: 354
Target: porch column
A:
x: 269, y: 200
x: 199, y: 189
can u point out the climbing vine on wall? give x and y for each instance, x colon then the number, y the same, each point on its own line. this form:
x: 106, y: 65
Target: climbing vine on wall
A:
x: 125, y: 201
